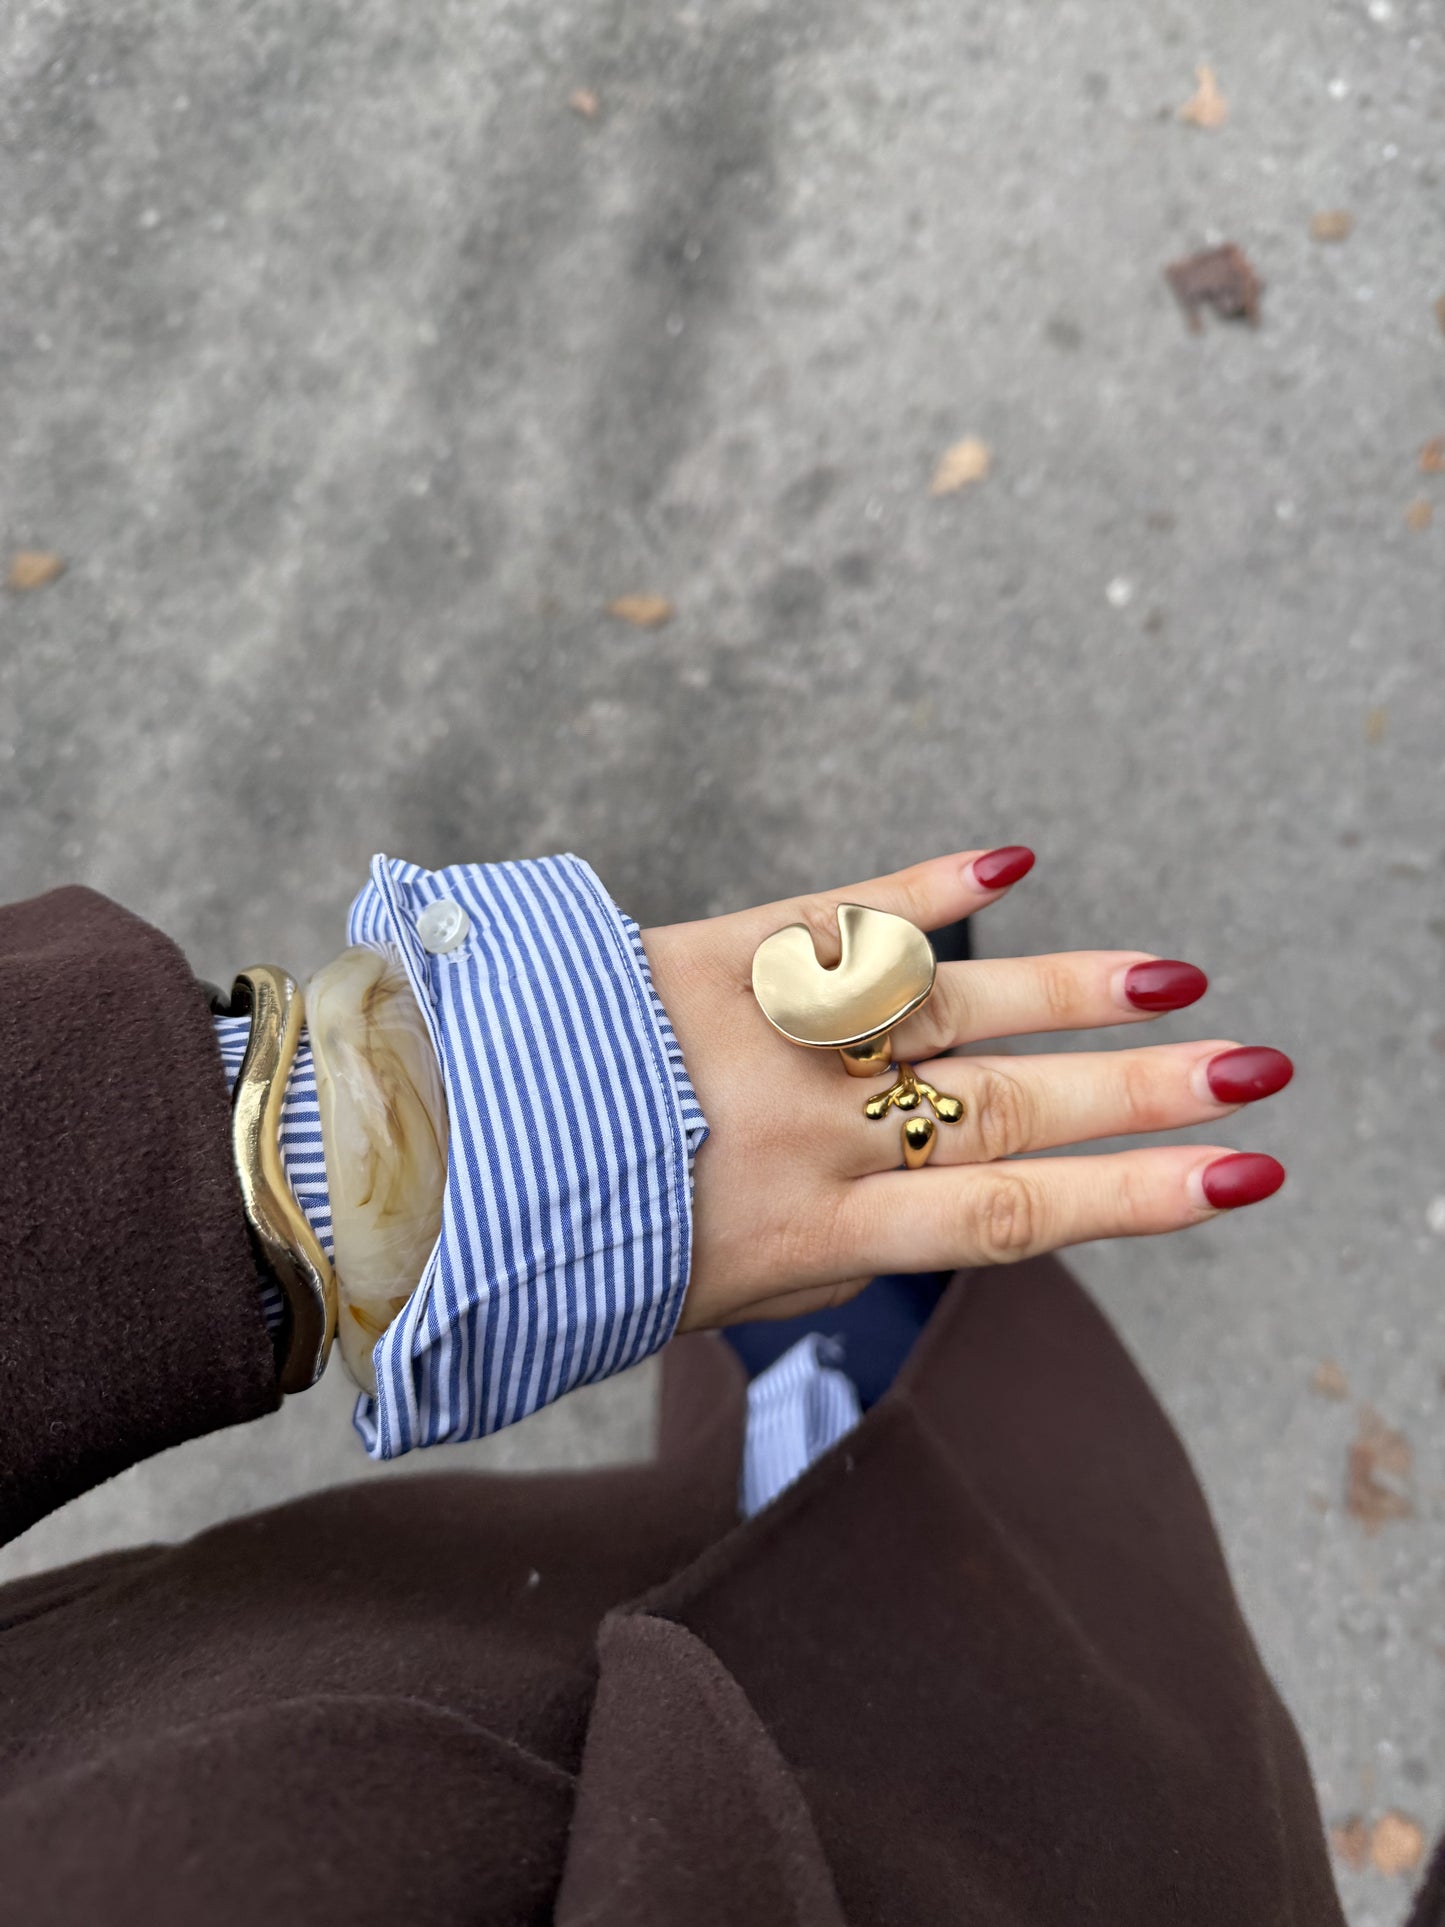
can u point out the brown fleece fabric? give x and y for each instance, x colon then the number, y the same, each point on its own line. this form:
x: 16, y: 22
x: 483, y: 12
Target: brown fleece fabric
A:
x: 1429, y: 1908
x: 982, y: 1664
x: 131, y: 1314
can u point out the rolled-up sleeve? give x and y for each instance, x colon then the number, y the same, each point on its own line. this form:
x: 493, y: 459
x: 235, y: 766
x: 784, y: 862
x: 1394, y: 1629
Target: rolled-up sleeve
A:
x: 566, y: 1234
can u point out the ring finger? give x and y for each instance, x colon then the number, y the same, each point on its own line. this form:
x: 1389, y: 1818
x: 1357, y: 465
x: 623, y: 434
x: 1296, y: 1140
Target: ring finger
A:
x: 1015, y: 1105
x: 992, y: 1214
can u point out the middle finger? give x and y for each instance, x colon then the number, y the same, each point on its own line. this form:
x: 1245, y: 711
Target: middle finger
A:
x: 1014, y: 1105
x: 1014, y: 996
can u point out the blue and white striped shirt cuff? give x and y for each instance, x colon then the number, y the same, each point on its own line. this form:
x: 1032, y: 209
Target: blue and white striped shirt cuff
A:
x: 566, y: 1235
x: 567, y: 1224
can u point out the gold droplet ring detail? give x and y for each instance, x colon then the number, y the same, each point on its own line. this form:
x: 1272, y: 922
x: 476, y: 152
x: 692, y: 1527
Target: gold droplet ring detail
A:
x: 884, y: 973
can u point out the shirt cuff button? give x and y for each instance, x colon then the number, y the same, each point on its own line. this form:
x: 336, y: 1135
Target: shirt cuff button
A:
x: 442, y: 926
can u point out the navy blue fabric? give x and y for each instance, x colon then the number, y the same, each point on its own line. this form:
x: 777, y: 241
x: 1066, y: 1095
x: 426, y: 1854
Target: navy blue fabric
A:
x: 874, y: 1332
x: 954, y: 943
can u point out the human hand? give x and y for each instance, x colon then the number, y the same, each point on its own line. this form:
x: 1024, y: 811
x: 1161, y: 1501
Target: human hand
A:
x: 798, y: 1198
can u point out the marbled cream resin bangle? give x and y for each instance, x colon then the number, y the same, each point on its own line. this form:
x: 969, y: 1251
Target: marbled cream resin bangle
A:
x: 384, y: 1132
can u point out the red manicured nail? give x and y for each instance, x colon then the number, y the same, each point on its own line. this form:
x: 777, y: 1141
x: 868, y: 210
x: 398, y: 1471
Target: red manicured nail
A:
x: 1244, y: 1178
x: 1164, y: 984
x: 1002, y: 867
x: 1244, y: 1076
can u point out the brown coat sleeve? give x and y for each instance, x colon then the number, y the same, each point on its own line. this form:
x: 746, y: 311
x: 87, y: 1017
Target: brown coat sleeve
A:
x: 129, y: 1297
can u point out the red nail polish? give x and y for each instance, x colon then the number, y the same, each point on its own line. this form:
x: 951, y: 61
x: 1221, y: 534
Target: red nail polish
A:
x: 1002, y: 867
x: 1244, y: 1076
x: 1164, y: 984
x: 1244, y: 1178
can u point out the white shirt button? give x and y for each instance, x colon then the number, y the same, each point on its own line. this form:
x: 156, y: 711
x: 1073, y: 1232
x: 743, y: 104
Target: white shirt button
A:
x: 442, y: 926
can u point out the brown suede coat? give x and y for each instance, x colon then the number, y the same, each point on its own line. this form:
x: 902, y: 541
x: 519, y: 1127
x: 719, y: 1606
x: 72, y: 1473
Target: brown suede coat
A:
x: 982, y: 1665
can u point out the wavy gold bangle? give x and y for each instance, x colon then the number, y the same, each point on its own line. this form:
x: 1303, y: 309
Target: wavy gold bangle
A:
x: 273, y: 1001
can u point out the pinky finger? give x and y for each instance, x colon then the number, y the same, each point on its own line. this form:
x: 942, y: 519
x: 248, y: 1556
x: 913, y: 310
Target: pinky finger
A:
x: 997, y: 1214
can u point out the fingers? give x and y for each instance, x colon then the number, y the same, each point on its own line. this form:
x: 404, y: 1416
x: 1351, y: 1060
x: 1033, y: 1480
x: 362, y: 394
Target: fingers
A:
x: 1014, y: 1105
x: 930, y: 894
x: 995, y: 1214
x: 1014, y: 996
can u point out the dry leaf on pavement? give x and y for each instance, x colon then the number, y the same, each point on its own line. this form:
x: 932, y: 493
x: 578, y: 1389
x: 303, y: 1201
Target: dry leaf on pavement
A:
x: 34, y: 568
x: 1351, y: 1843
x: 583, y: 101
x: 966, y: 462
x: 1208, y: 108
x: 1419, y: 515
x: 1220, y: 278
x: 1432, y: 456
x: 1329, y: 1381
x: 1396, y: 1844
x: 642, y: 611
x: 1377, y: 724
x: 1332, y: 224
x: 1376, y: 1474
x: 1393, y: 1845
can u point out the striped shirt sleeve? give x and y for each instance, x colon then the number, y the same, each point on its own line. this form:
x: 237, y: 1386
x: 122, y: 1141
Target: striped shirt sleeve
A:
x: 567, y: 1224
x: 566, y: 1235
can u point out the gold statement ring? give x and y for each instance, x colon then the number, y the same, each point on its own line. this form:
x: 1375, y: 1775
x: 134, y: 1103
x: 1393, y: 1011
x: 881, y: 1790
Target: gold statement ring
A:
x: 884, y: 973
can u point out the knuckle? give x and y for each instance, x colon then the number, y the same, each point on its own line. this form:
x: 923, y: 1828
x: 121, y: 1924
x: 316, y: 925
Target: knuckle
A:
x: 1140, y: 1088
x: 1059, y: 991
x: 863, y: 1234
x: 820, y: 914
x: 949, y: 1013
x: 827, y: 1237
x: 1002, y: 1115
x: 1007, y: 1218
x: 1132, y: 1202
x: 792, y: 1250
x: 916, y: 889
x: 932, y: 1030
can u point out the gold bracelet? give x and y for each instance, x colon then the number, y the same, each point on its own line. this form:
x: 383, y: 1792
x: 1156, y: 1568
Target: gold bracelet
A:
x: 273, y: 1001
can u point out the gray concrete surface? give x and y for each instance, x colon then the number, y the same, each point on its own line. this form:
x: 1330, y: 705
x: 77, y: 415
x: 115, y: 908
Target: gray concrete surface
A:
x: 354, y: 374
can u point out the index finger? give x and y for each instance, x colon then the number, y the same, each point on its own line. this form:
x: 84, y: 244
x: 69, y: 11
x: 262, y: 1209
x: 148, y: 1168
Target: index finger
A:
x: 932, y: 895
